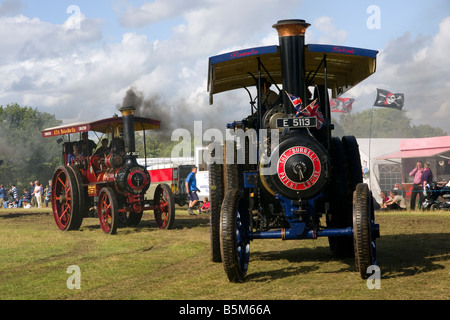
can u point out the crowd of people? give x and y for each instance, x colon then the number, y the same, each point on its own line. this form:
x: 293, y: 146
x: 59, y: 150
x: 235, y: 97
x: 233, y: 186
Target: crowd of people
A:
x: 422, y: 176
x: 36, y: 196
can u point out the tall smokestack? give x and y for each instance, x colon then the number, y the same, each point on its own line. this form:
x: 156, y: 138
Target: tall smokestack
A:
x: 291, y: 34
x: 128, y: 128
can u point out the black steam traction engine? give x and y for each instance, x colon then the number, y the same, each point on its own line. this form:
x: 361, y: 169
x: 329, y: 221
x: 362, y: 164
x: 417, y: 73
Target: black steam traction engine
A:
x: 313, y: 174
x: 109, y: 184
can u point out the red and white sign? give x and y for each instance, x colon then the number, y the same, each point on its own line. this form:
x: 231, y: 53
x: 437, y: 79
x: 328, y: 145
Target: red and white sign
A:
x: 282, y: 169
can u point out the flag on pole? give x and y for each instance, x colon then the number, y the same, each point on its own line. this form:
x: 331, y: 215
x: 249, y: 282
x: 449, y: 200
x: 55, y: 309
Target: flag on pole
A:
x: 296, y: 102
x: 388, y: 99
x: 313, y: 111
x: 342, y: 105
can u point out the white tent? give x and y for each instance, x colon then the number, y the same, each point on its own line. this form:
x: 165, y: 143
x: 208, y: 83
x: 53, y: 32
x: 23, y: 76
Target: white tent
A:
x: 369, y: 150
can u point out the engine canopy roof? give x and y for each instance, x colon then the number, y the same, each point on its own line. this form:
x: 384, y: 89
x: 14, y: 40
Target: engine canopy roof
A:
x: 103, y: 126
x: 346, y: 67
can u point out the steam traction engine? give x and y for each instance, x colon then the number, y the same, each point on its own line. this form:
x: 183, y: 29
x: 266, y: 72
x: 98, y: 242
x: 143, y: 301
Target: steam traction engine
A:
x: 109, y: 184
x: 300, y: 173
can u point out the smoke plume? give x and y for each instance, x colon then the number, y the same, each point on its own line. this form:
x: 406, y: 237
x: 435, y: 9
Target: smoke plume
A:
x: 174, y: 115
x: 149, y: 108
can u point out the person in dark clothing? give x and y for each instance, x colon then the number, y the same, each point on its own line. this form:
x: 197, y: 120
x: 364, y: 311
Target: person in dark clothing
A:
x: 3, y: 197
x: 13, y: 199
x: 191, y: 188
x: 104, y: 149
x: 427, y: 178
x: 86, y: 145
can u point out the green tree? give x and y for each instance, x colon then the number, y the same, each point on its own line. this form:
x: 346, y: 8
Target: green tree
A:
x: 157, y: 145
x: 384, y: 123
x: 26, y: 155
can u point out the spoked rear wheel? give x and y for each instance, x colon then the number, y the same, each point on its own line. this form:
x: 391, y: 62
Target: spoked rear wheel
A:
x: 340, y: 211
x: 216, y: 189
x: 65, y: 200
x: 108, y: 213
x: 235, y: 227
x: 363, y: 233
x: 164, y: 207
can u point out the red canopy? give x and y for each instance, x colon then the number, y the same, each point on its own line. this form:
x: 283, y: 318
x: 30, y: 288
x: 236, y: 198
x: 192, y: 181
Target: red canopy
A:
x: 100, y: 126
x: 417, y: 148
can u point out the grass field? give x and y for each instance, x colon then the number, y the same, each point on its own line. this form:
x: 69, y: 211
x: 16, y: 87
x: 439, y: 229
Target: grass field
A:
x: 151, y: 264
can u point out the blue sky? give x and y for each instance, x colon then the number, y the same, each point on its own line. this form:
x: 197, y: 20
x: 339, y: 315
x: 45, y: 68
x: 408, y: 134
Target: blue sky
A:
x: 161, y: 48
x: 416, y: 17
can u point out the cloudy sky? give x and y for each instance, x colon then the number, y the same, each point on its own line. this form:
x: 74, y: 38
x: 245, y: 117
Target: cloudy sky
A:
x: 77, y: 59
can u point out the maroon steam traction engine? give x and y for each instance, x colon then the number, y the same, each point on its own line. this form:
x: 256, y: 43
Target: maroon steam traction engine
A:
x: 110, y: 184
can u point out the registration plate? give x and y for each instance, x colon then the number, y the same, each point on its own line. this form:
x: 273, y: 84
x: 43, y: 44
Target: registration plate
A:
x: 297, y: 122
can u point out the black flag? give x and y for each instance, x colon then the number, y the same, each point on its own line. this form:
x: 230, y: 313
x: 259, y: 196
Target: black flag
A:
x: 389, y: 100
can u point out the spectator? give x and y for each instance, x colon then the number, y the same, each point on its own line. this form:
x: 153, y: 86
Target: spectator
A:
x: 45, y: 195
x: 13, y: 199
x: 3, y: 197
x: 15, y: 194
x: 49, y: 194
x: 26, y: 198
x: 416, y: 188
x: 427, y: 178
x: 38, y: 194
x: 205, y: 207
x: 397, y: 202
x: 191, y: 189
x: 8, y: 198
x: 384, y: 199
x: 32, y: 197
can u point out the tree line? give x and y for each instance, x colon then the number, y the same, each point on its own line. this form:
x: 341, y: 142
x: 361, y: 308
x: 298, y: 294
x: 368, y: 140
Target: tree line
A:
x: 25, y: 156
x: 383, y: 123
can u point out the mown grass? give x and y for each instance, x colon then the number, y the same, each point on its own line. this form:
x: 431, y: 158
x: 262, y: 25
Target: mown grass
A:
x: 152, y: 264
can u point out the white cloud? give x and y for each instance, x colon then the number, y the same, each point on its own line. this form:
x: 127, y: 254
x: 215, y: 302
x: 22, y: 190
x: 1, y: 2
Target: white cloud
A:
x: 78, y: 75
x: 155, y: 11
x: 70, y: 73
x: 329, y: 32
x: 419, y: 68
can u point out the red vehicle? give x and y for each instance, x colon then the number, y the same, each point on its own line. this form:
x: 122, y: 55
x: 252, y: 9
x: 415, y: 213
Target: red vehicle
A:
x: 172, y: 175
x: 107, y: 182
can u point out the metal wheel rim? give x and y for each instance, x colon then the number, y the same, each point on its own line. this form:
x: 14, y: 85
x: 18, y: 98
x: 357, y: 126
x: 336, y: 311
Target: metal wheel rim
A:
x: 62, y: 200
x: 106, y: 212
x: 162, y: 209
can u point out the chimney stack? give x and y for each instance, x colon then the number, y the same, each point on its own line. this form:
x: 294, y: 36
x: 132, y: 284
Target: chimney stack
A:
x: 128, y: 128
x: 291, y: 35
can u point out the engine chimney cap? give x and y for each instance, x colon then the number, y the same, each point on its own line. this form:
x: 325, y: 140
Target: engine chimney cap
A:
x: 128, y: 108
x: 291, y: 27
x: 127, y: 111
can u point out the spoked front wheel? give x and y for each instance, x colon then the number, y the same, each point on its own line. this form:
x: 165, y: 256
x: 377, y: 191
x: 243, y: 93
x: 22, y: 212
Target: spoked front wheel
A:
x: 364, y: 229
x: 164, y: 207
x: 235, y: 243
x: 108, y: 211
x: 65, y: 200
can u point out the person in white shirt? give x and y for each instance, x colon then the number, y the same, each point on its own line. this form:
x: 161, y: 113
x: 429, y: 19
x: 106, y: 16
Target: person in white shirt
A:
x: 38, y: 193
